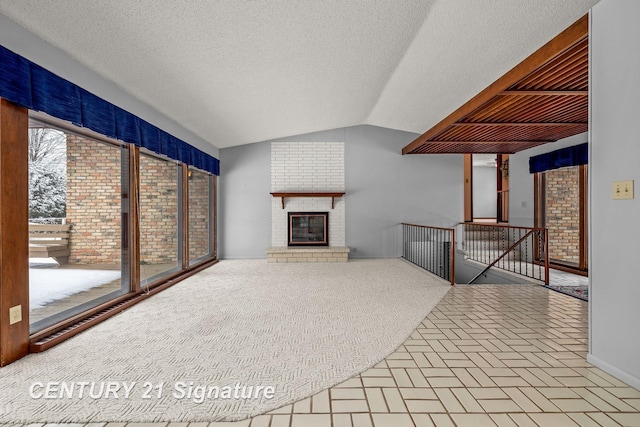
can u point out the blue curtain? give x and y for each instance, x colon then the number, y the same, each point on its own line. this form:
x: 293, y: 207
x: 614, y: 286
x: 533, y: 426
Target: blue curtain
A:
x: 570, y: 156
x: 31, y: 86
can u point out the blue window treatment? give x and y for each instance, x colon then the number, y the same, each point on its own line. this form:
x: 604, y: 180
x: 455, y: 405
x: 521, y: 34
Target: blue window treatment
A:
x: 31, y: 86
x: 570, y: 156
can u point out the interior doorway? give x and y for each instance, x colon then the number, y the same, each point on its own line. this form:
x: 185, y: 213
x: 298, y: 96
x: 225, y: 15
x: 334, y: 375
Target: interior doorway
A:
x: 486, y: 188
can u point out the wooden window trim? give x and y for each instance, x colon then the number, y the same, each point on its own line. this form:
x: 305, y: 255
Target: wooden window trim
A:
x: 14, y: 230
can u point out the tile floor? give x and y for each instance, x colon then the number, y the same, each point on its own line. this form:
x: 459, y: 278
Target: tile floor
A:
x: 487, y: 355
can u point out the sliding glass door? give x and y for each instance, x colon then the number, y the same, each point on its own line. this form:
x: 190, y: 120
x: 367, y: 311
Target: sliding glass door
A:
x: 160, y: 219
x: 561, y: 200
x: 78, y: 191
x: 201, y: 221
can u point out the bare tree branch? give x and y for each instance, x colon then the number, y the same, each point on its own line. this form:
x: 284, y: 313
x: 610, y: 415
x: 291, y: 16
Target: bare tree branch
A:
x: 47, y: 147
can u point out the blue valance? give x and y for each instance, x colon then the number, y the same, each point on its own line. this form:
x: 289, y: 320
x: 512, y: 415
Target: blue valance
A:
x: 31, y: 86
x: 570, y: 156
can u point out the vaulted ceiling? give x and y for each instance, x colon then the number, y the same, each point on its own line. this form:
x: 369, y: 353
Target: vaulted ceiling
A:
x: 242, y: 71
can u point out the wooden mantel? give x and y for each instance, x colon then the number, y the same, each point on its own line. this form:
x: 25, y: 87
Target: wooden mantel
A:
x: 306, y: 194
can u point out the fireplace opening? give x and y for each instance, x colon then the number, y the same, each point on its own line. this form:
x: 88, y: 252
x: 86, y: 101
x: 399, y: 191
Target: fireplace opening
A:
x: 308, y: 229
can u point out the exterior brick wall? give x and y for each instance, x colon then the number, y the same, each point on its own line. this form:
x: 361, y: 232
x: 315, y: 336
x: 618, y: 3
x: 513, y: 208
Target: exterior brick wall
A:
x: 94, y: 206
x: 93, y: 201
x: 158, y: 211
x: 563, y: 214
x: 198, y: 215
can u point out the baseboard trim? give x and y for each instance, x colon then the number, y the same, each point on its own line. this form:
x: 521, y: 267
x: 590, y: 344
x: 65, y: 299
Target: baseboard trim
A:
x: 623, y: 376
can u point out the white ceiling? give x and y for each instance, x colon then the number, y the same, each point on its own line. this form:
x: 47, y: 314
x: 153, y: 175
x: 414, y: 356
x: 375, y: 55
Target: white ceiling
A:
x: 241, y: 71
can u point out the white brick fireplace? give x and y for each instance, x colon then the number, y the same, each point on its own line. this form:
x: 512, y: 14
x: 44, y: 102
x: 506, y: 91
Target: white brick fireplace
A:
x: 308, y: 167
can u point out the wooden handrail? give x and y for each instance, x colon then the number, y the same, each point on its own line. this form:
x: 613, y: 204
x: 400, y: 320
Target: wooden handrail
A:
x: 428, y: 226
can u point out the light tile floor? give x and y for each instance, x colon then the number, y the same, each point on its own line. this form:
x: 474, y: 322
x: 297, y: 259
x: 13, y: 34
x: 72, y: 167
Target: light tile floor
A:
x: 487, y: 355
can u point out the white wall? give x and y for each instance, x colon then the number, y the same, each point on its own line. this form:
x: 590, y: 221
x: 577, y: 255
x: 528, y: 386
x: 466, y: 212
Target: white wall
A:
x: 244, y: 202
x: 24, y: 43
x: 615, y: 155
x: 484, y: 192
x: 383, y: 189
x: 521, y: 181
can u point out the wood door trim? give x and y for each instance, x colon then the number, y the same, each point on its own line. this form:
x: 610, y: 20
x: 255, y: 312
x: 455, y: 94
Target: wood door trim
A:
x: 14, y: 230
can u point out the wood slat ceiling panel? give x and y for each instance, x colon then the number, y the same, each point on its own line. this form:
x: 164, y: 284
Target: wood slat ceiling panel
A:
x: 489, y: 133
x: 526, y: 109
x: 474, y: 147
x: 565, y: 72
x: 541, y: 100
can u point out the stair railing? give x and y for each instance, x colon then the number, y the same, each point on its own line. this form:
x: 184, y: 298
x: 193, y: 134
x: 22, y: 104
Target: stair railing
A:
x: 520, y: 250
x: 432, y: 248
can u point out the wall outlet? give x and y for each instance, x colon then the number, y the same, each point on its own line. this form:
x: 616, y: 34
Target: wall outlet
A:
x: 15, y: 314
x: 622, y: 190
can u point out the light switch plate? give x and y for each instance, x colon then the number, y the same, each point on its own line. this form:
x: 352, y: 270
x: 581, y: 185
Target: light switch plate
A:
x: 622, y: 190
x: 15, y: 314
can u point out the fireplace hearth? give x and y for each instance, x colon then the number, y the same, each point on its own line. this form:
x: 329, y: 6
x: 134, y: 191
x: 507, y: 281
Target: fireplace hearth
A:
x: 308, y: 229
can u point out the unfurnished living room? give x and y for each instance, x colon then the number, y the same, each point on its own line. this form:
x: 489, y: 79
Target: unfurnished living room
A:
x: 341, y: 213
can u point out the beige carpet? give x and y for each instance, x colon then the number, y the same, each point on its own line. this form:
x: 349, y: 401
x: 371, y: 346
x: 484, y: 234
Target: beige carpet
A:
x: 240, y: 325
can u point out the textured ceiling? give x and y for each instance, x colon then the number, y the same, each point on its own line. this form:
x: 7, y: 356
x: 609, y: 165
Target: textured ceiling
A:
x: 241, y: 71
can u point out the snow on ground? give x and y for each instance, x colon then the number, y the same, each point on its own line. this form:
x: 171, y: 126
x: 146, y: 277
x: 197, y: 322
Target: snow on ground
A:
x: 50, y: 284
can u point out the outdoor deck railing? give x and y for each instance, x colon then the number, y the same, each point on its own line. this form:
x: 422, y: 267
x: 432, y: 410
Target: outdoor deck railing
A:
x: 520, y: 250
x: 432, y: 248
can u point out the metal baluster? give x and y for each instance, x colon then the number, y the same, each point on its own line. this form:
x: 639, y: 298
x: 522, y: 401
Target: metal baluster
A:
x: 409, y: 248
x: 404, y: 241
x: 440, y: 253
x: 526, y: 256
x: 418, y: 247
x: 473, y: 242
x: 542, y: 253
x: 434, y: 251
x: 431, y: 254
x: 438, y: 244
x: 416, y: 244
x: 409, y: 252
x: 413, y: 248
x: 423, y: 246
x: 426, y: 253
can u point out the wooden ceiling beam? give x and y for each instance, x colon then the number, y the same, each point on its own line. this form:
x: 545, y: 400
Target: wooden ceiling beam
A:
x: 545, y: 92
x: 491, y: 142
x: 523, y: 124
x: 559, y: 44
